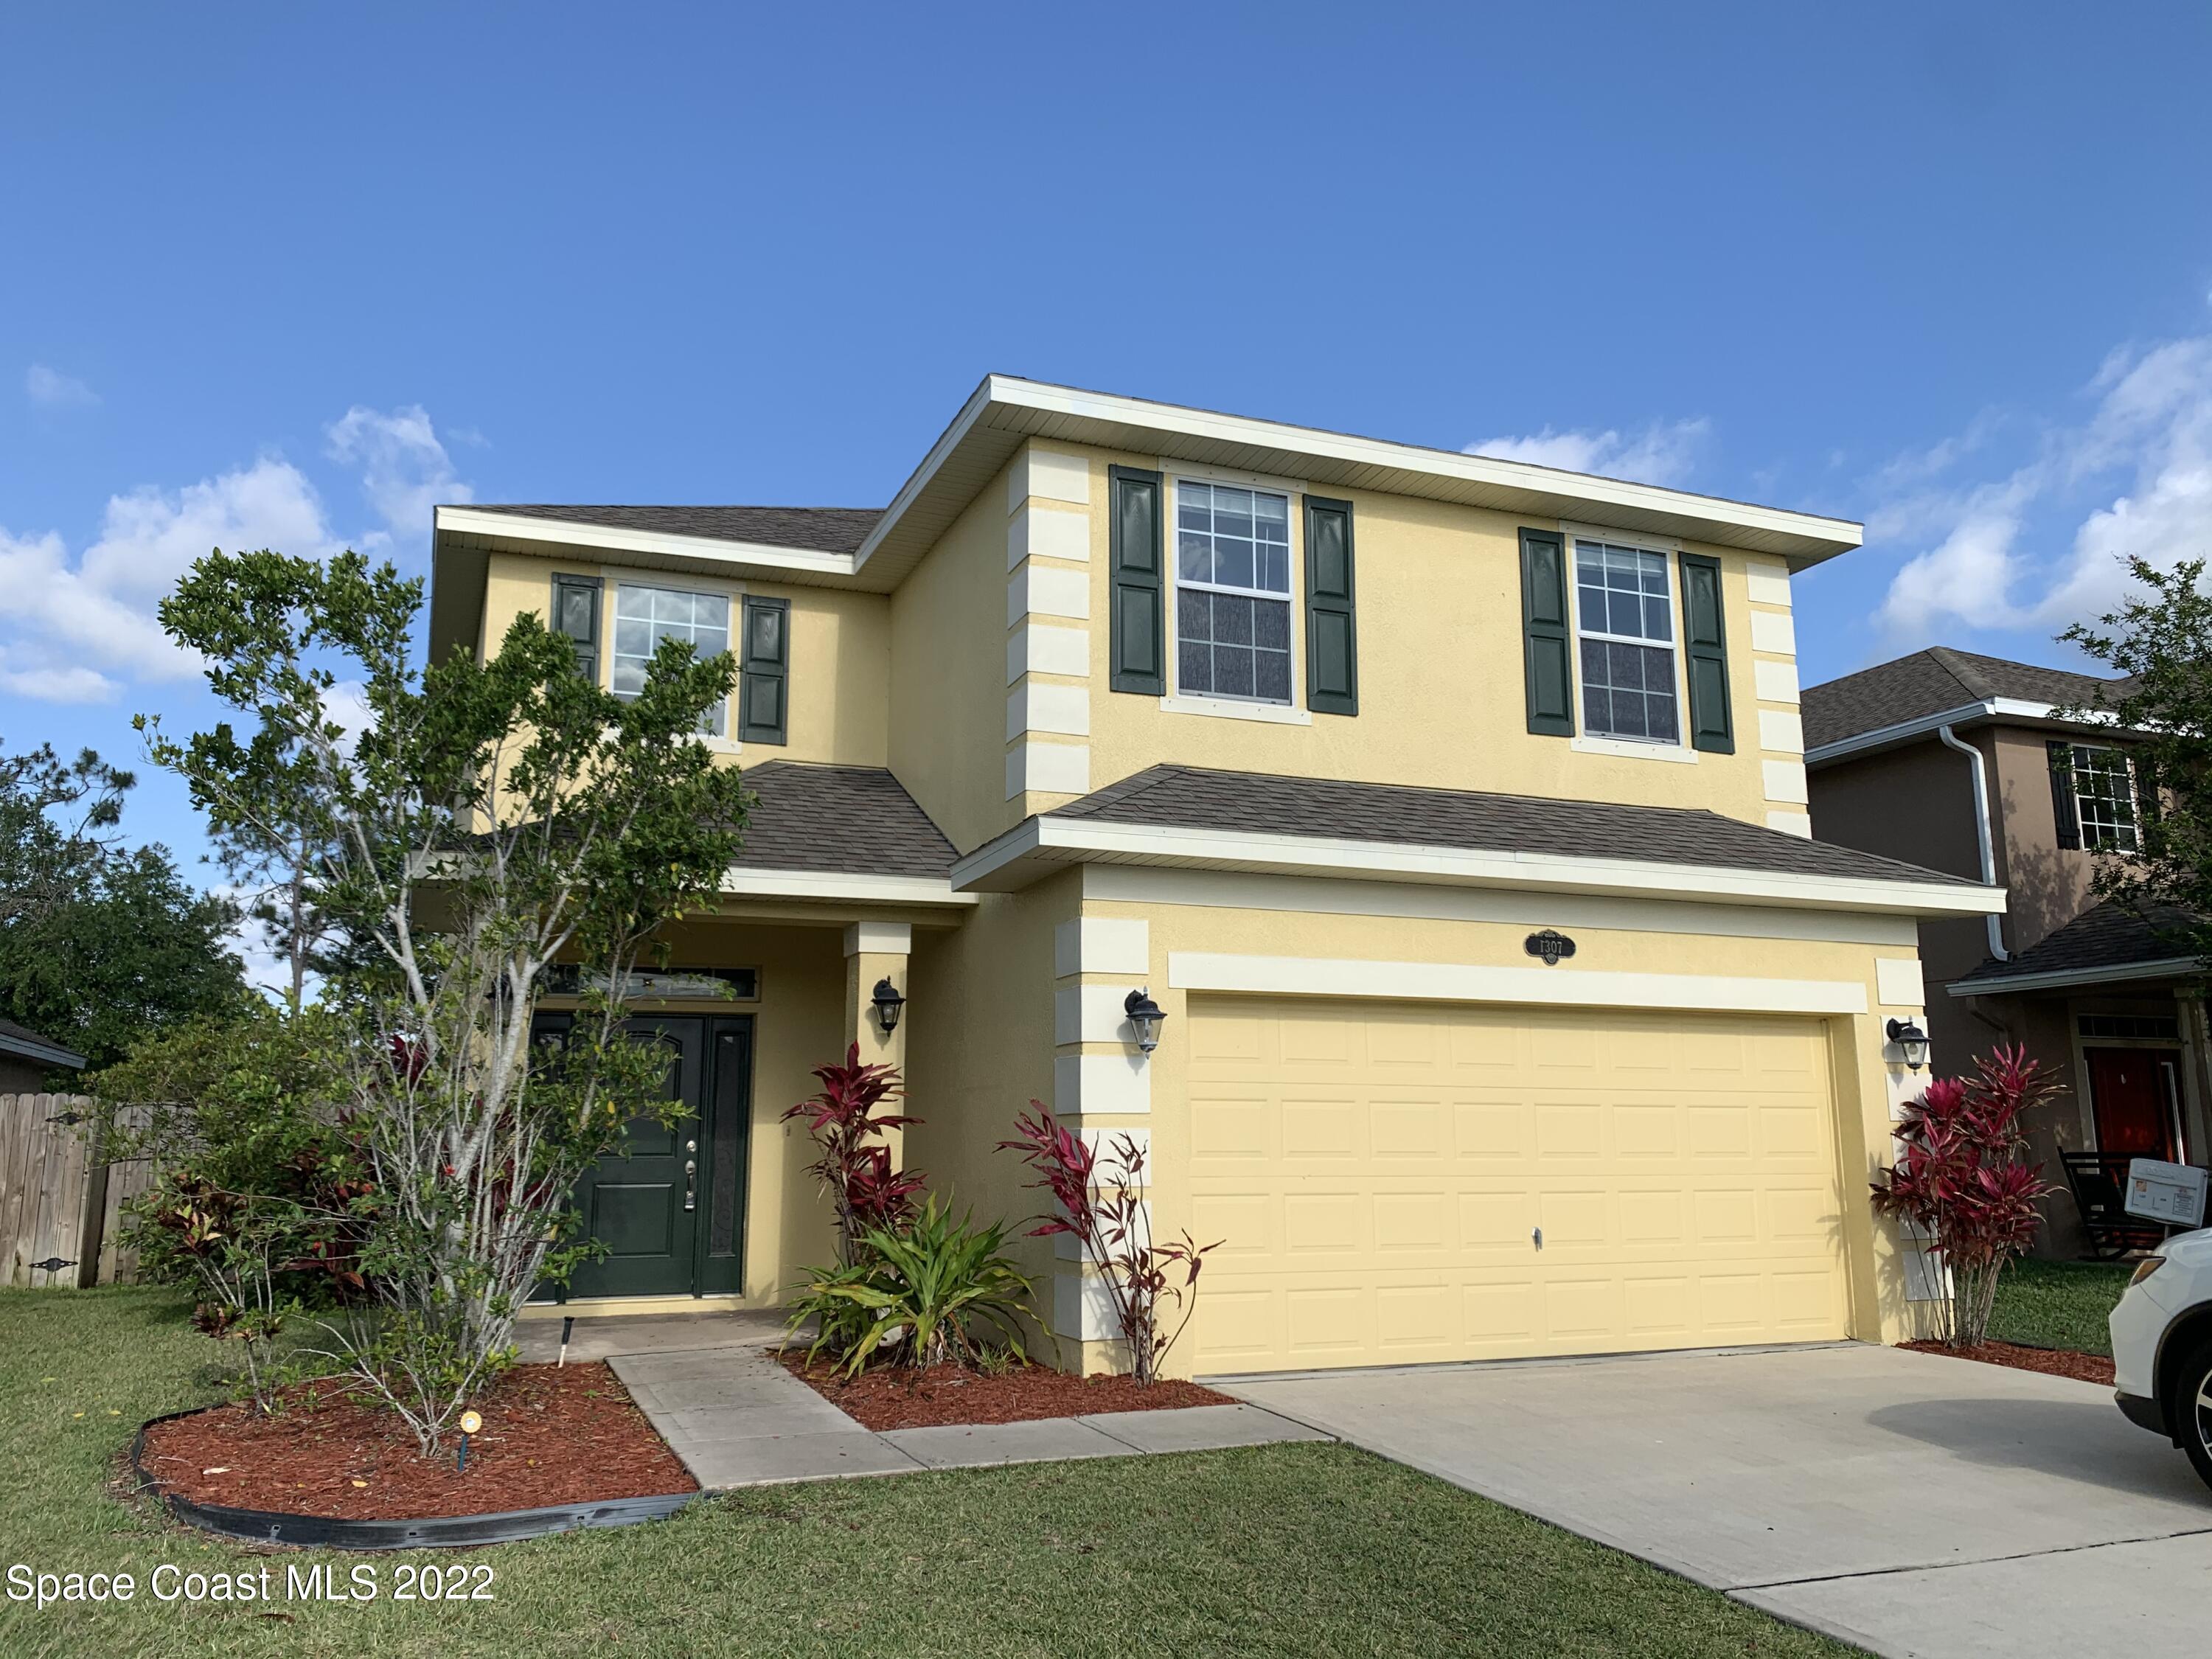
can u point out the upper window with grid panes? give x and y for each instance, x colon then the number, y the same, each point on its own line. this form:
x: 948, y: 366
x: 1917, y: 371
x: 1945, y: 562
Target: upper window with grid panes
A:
x: 1232, y: 603
x: 1625, y: 627
x: 2104, y: 799
x: 645, y: 615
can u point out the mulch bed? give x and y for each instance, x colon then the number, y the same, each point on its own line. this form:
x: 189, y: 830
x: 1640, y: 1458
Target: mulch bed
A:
x: 888, y: 1397
x: 2051, y: 1362
x: 566, y: 1435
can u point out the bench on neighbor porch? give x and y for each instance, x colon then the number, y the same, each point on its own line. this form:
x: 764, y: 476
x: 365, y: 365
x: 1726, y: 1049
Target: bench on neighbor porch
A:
x: 2099, y: 1184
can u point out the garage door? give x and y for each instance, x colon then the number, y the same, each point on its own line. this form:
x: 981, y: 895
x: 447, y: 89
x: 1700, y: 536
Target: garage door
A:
x: 1401, y: 1182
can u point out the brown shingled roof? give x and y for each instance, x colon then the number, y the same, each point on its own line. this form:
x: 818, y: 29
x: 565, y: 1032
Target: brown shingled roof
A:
x: 856, y: 820
x: 1187, y: 797
x: 1931, y: 682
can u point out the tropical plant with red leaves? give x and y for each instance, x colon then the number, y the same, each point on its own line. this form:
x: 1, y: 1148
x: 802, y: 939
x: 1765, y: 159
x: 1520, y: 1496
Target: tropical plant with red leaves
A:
x: 854, y: 1167
x: 1101, y: 1206
x: 1963, y: 1182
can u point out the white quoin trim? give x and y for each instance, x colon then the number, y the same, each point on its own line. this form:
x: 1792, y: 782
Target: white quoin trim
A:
x: 879, y: 938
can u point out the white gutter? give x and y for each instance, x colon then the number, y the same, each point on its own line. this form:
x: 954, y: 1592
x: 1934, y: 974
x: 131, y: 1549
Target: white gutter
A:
x: 2008, y: 708
x: 1982, y: 831
x: 2060, y: 978
x: 1024, y: 854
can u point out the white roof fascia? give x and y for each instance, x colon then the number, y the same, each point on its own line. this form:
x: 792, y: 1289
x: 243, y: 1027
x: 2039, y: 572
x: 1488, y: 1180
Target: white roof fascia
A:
x: 2003, y: 709
x: 613, y: 540
x: 2059, y: 978
x: 840, y: 886
x: 1040, y: 838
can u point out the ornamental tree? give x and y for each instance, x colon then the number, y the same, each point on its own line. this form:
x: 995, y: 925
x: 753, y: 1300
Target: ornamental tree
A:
x: 489, y: 820
x: 1963, y: 1181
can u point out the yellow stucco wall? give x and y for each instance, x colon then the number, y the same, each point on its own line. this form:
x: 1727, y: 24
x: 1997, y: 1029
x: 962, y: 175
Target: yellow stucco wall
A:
x: 1865, y: 1086
x: 1442, y: 702
x: 947, y: 676
x: 840, y: 651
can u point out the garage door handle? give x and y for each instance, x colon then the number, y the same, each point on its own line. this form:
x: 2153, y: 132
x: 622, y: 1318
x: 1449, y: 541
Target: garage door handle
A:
x: 1537, y: 1238
x: 690, y: 1184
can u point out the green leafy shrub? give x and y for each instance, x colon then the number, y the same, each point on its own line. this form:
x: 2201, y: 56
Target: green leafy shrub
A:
x: 933, y: 1291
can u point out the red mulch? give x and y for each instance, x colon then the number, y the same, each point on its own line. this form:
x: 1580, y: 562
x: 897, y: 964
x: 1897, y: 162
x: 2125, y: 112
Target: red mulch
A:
x: 2051, y: 1362
x: 566, y: 1435
x: 888, y: 1397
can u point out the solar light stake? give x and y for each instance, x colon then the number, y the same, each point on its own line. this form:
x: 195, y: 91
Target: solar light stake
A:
x: 568, y: 1329
x: 470, y: 1424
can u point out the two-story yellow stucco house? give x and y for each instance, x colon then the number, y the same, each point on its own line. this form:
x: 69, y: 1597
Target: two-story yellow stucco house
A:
x: 1451, y: 810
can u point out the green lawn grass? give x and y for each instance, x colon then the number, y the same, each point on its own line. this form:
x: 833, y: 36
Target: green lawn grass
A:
x: 1287, y: 1550
x: 2058, y: 1304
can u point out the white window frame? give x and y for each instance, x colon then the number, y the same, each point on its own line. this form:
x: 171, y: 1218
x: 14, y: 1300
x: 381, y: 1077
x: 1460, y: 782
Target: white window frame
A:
x: 1225, y: 706
x: 1585, y: 741
x: 671, y: 581
x: 2077, y: 771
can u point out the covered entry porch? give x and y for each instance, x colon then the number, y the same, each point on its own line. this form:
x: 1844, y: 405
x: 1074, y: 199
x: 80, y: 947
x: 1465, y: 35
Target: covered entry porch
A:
x: 786, y: 975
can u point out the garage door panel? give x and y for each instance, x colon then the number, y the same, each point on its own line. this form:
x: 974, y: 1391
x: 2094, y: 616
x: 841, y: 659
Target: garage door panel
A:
x: 1379, y: 1173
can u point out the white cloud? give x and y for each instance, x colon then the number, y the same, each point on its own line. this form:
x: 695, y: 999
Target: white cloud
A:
x: 1663, y: 453
x: 2153, y: 420
x: 406, y: 471
x: 72, y: 632
x: 51, y: 389
x: 77, y: 631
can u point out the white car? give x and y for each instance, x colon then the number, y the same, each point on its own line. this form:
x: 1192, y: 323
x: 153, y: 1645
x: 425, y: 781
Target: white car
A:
x: 2162, y: 1345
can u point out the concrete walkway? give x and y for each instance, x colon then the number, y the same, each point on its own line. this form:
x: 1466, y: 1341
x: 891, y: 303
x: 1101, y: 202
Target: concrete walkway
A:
x: 737, y: 1419
x: 1911, y: 1503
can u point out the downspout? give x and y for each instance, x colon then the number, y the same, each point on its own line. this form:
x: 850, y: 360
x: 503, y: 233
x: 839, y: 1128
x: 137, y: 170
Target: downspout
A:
x: 1981, y: 830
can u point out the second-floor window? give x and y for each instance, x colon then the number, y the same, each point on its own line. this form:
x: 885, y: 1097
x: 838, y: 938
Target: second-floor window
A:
x: 1232, y: 610
x: 645, y: 615
x: 2104, y: 799
x: 1625, y: 626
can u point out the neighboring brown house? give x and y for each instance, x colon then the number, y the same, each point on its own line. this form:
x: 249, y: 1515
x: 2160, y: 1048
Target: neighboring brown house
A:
x: 1961, y: 763
x: 28, y: 1060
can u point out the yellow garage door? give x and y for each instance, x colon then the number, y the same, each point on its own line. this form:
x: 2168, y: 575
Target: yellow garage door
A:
x: 1401, y: 1183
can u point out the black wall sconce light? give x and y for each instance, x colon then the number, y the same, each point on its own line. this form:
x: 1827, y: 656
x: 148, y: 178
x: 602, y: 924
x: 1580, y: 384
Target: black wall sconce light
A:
x: 888, y: 1002
x: 1145, y: 1016
x: 1911, y: 1039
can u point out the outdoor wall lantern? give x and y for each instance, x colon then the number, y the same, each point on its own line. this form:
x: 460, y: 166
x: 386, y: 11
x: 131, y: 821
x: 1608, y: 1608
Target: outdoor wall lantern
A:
x: 1145, y: 1015
x: 888, y: 1002
x: 1911, y: 1038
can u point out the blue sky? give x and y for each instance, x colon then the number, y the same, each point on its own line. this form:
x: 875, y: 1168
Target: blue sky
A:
x: 289, y: 275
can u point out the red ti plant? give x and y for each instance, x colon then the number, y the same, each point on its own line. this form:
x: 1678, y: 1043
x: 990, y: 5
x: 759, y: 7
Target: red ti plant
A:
x: 1100, y: 1204
x: 856, y: 1174
x: 1962, y: 1179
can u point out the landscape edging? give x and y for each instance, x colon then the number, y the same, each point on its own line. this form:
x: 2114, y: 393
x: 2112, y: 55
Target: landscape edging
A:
x: 430, y: 1532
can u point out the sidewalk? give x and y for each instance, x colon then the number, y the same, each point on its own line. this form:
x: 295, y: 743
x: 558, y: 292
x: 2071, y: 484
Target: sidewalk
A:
x: 738, y: 1419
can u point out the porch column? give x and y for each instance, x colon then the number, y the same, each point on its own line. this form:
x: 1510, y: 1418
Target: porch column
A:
x: 878, y: 951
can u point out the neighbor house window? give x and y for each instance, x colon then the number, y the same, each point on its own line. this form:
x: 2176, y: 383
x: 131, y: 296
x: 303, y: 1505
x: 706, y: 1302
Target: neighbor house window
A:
x: 2104, y: 799
x: 1625, y: 622
x: 1232, y: 592
x: 645, y: 615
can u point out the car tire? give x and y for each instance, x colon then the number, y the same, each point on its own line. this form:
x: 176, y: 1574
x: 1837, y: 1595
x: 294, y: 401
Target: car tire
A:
x: 2189, y: 1408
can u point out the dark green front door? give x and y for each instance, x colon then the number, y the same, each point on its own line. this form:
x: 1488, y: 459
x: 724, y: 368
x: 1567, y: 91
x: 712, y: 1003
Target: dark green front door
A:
x: 669, y: 1204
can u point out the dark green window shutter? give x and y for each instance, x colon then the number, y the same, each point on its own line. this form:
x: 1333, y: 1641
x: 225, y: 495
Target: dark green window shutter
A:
x: 1332, y: 637
x: 1138, y: 641
x: 1704, y: 645
x: 1546, y: 648
x: 576, y: 613
x: 2063, y: 808
x: 2144, y: 771
x: 764, y: 687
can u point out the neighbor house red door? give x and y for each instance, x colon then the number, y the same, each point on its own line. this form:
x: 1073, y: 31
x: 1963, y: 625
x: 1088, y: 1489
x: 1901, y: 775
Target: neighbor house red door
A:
x: 2131, y: 1092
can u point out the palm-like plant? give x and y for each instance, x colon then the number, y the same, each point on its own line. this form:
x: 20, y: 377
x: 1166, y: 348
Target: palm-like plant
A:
x: 932, y: 1291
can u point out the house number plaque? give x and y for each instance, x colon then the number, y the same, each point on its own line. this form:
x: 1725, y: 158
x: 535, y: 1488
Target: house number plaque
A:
x: 1551, y: 944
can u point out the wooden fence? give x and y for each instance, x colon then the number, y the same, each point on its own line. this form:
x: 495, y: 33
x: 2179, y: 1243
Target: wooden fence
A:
x: 60, y: 1203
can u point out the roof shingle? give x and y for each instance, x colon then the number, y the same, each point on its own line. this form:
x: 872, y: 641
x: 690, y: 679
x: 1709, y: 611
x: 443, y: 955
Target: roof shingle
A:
x: 856, y: 820
x: 1930, y: 682
x: 1186, y: 797
x: 2103, y: 938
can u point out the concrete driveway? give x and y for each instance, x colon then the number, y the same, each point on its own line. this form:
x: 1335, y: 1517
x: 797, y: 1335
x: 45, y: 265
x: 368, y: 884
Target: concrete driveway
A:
x: 1909, y: 1503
